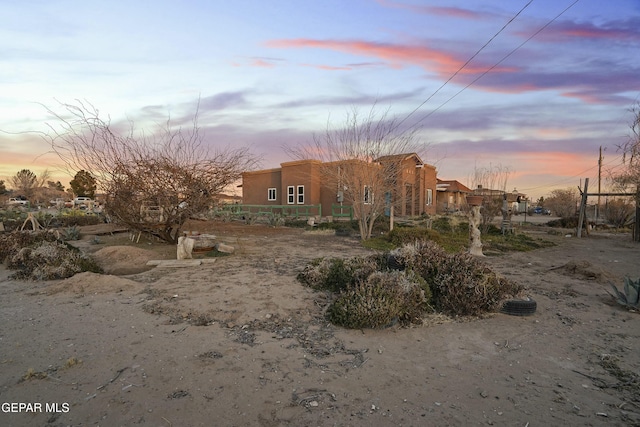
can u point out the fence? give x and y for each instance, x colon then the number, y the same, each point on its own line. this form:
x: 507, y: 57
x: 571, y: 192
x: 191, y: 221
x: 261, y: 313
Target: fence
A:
x: 270, y: 211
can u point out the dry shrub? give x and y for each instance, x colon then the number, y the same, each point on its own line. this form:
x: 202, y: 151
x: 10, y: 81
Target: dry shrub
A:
x: 380, y: 290
x: 461, y: 284
x: 337, y: 274
x: 11, y: 243
x: 383, y: 299
x: 404, y: 235
x: 39, y: 256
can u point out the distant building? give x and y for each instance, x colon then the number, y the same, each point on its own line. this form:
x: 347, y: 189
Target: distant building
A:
x: 302, y: 183
x: 451, y: 196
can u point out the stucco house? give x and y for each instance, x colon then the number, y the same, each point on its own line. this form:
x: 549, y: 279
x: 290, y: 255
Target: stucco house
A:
x: 451, y: 196
x: 305, y: 182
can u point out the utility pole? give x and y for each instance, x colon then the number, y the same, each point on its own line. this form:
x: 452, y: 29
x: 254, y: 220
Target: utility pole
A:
x: 599, y: 183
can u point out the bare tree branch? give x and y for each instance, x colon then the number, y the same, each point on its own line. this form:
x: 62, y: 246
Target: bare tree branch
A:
x: 361, y: 161
x: 153, y: 183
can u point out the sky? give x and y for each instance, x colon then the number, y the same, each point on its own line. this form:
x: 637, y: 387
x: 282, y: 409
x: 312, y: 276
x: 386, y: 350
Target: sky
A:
x: 535, y: 87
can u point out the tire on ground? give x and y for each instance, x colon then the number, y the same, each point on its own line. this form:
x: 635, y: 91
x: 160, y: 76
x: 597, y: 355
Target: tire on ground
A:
x: 518, y: 307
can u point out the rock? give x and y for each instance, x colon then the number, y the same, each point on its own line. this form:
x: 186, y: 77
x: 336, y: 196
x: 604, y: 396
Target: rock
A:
x: 221, y: 247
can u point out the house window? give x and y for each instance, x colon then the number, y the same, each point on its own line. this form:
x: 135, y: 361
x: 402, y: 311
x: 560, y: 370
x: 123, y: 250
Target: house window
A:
x: 429, y: 196
x: 301, y: 194
x: 368, y: 195
x: 271, y: 194
x: 291, y: 195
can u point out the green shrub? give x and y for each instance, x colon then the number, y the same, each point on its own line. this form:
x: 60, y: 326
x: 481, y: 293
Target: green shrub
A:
x: 336, y: 274
x: 70, y: 233
x: 442, y: 224
x: 403, y: 235
x: 77, y: 219
x: 338, y: 225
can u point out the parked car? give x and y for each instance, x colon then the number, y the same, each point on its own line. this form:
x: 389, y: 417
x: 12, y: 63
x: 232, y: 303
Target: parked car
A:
x: 541, y: 211
x: 58, y: 202
x: 18, y: 201
x: 82, y: 201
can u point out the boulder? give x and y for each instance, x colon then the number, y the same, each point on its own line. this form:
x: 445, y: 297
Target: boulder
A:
x: 221, y: 247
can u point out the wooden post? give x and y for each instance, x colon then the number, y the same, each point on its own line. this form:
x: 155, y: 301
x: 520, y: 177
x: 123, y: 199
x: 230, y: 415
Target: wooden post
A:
x: 391, y: 218
x: 636, y: 224
x: 583, y: 207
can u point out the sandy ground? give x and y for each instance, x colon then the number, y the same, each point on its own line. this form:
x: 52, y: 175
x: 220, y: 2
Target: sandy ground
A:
x: 239, y: 342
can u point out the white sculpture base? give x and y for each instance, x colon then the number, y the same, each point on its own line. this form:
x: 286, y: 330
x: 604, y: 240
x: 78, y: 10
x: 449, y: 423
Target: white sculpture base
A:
x: 475, y: 244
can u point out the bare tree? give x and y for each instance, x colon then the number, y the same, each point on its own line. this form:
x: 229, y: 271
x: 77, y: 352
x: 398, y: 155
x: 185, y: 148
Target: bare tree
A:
x: 491, y: 182
x: 44, y: 176
x: 563, y: 203
x: 153, y: 183
x: 361, y: 161
x: 619, y: 212
x: 629, y: 178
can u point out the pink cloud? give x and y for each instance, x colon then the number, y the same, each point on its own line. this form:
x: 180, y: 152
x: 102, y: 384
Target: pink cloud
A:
x: 262, y: 63
x: 555, y: 163
x: 328, y: 67
x: 627, y: 30
x: 454, y: 12
x: 587, y: 98
x: 430, y: 59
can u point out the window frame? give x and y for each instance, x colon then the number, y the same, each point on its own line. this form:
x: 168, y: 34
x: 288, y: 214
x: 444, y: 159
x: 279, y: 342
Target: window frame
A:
x: 300, y: 194
x: 272, y: 194
x: 367, y: 195
x: 291, y: 196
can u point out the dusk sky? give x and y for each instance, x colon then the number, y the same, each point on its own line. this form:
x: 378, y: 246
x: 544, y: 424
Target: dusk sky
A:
x: 549, y: 83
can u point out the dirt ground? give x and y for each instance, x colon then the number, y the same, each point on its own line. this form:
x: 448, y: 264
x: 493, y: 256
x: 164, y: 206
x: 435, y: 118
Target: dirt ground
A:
x: 237, y: 341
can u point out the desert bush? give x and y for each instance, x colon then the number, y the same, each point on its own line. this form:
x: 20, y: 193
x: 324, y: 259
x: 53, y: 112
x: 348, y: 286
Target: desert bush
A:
x: 49, y: 261
x: 619, y: 212
x: 378, y: 290
x: 336, y: 274
x: 70, y: 233
x: 403, y: 235
x: 338, y: 225
x: 71, y: 218
x: 461, y: 284
x: 38, y: 255
x: 384, y: 298
x: 11, y: 243
x: 442, y: 224
x: 564, y: 222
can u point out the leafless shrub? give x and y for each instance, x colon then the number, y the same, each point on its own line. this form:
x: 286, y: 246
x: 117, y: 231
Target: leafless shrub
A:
x: 153, y: 183
x: 361, y: 160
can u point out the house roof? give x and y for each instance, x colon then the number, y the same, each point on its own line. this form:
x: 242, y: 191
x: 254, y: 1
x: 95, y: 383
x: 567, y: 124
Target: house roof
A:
x: 452, y: 186
x: 401, y: 157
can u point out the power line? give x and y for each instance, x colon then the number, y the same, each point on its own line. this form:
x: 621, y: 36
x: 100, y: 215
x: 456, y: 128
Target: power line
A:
x: 579, y: 174
x: 465, y: 64
x: 496, y: 64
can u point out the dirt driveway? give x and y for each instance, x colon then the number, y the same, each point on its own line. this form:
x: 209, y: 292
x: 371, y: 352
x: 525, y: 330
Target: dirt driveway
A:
x: 237, y: 341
